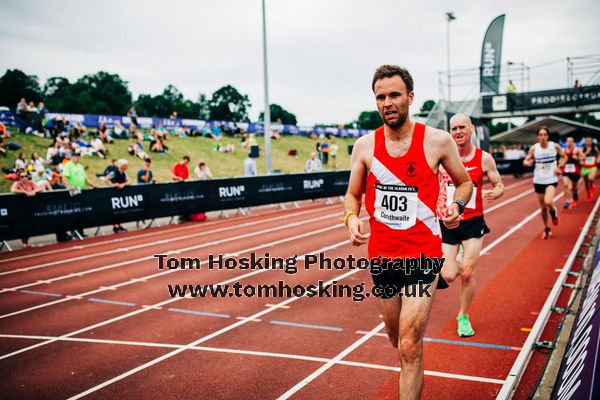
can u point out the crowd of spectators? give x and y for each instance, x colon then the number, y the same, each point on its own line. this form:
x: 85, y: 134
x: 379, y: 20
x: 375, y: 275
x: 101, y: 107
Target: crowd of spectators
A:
x: 509, y: 152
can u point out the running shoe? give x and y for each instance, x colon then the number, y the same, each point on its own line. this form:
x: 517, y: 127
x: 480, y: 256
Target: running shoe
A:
x: 567, y: 205
x: 464, y: 326
x: 588, y: 199
x: 554, y: 215
x: 547, y: 233
x: 573, y: 203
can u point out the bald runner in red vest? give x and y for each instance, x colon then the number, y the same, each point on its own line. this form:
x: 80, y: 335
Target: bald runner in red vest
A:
x: 397, y: 168
x: 472, y: 226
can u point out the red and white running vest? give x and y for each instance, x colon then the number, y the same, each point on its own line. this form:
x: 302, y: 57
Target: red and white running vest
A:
x: 401, y: 196
x: 474, y: 167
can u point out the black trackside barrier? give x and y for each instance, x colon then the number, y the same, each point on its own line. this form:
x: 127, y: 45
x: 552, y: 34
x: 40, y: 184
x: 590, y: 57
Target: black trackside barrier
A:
x: 506, y: 167
x: 50, y: 212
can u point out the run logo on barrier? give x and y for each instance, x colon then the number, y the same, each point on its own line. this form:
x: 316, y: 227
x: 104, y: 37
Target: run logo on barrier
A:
x: 124, y: 202
x: 231, y: 191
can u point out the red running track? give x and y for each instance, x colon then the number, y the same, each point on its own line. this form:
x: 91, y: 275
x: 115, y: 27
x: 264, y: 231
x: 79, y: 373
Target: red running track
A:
x: 95, y: 319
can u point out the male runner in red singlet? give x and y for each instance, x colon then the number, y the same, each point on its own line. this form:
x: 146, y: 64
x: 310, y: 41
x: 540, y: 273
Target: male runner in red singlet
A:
x: 591, y: 157
x: 472, y: 227
x: 572, y: 172
x: 397, y: 166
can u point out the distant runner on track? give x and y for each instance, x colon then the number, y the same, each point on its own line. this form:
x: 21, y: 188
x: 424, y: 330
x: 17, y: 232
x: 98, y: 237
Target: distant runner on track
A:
x: 591, y: 157
x: 544, y: 154
x: 397, y: 166
x: 572, y: 172
x: 472, y: 226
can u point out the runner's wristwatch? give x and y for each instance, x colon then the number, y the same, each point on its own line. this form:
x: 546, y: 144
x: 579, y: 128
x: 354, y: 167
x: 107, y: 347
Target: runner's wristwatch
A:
x: 461, y: 205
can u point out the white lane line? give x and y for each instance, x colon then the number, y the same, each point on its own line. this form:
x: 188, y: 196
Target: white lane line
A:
x: 508, y: 201
x: 163, y: 273
x: 135, y: 237
x: 514, y: 185
x: 169, y: 252
x: 257, y: 353
x: 330, y: 364
x: 150, y: 244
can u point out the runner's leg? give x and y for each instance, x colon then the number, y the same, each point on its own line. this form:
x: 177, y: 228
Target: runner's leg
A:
x: 472, y: 250
x: 450, y: 268
x: 413, y: 319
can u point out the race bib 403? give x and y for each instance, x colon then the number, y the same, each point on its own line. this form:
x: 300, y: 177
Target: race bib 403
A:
x: 396, y: 205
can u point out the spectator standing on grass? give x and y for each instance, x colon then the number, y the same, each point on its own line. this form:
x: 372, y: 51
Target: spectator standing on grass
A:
x: 250, y: 166
x: 325, y: 152
x: 180, y: 171
x: 202, y: 171
x: 132, y: 114
x: 144, y: 174
x: 29, y: 189
x: 333, y: 151
x: 313, y: 164
x: 118, y: 179
x: 75, y: 175
x: 511, y: 88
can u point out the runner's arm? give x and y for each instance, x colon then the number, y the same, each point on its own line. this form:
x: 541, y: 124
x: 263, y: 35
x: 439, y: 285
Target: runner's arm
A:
x: 450, y: 160
x: 354, y: 194
x: 528, y: 161
x: 563, y: 157
x: 489, y: 167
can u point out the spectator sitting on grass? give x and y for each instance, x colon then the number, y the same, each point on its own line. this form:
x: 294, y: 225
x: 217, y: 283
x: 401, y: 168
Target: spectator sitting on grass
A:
x: 144, y: 174
x: 37, y: 161
x: 244, y: 141
x: 22, y: 107
x: 98, y: 147
x: 57, y: 179
x: 52, y: 154
x: 110, y: 168
x: 21, y: 162
x: 118, y: 179
x: 180, y: 171
x: 38, y: 176
x: 119, y: 130
x: 202, y: 171
x: 313, y: 164
x: 136, y: 147
x: 103, y: 133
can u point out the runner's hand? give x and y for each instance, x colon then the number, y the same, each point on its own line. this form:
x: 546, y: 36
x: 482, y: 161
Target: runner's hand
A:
x: 488, y: 194
x: 356, y: 229
x: 452, y: 218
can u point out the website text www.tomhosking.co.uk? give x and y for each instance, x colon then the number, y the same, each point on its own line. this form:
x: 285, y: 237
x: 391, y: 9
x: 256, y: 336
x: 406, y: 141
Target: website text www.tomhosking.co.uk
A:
x: 290, y: 266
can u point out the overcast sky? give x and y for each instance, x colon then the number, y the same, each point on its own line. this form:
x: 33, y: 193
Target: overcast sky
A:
x: 322, y: 54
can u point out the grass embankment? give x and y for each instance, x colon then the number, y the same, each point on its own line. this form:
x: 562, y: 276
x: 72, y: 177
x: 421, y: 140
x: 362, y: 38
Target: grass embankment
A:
x: 220, y: 164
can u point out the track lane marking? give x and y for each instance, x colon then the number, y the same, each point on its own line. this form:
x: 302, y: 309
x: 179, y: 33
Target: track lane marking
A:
x: 258, y: 353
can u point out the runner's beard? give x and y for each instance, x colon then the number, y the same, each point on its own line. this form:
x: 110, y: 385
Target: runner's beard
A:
x: 399, y: 122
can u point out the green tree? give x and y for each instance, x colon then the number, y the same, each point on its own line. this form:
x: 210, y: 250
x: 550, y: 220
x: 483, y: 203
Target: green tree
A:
x: 279, y: 115
x: 227, y: 104
x: 102, y: 93
x: 369, y: 120
x: 56, y: 90
x: 15, y: 84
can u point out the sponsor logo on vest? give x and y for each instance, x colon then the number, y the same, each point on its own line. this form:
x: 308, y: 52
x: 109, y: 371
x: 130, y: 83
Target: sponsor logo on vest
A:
x: 3, y: 212
x: 231, y: 191
x: 122, y: 202
x: 313, y: 183
x: 411, y: 168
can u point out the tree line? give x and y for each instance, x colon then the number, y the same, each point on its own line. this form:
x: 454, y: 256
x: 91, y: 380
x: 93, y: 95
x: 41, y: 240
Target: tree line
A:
x: 108, y: 94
